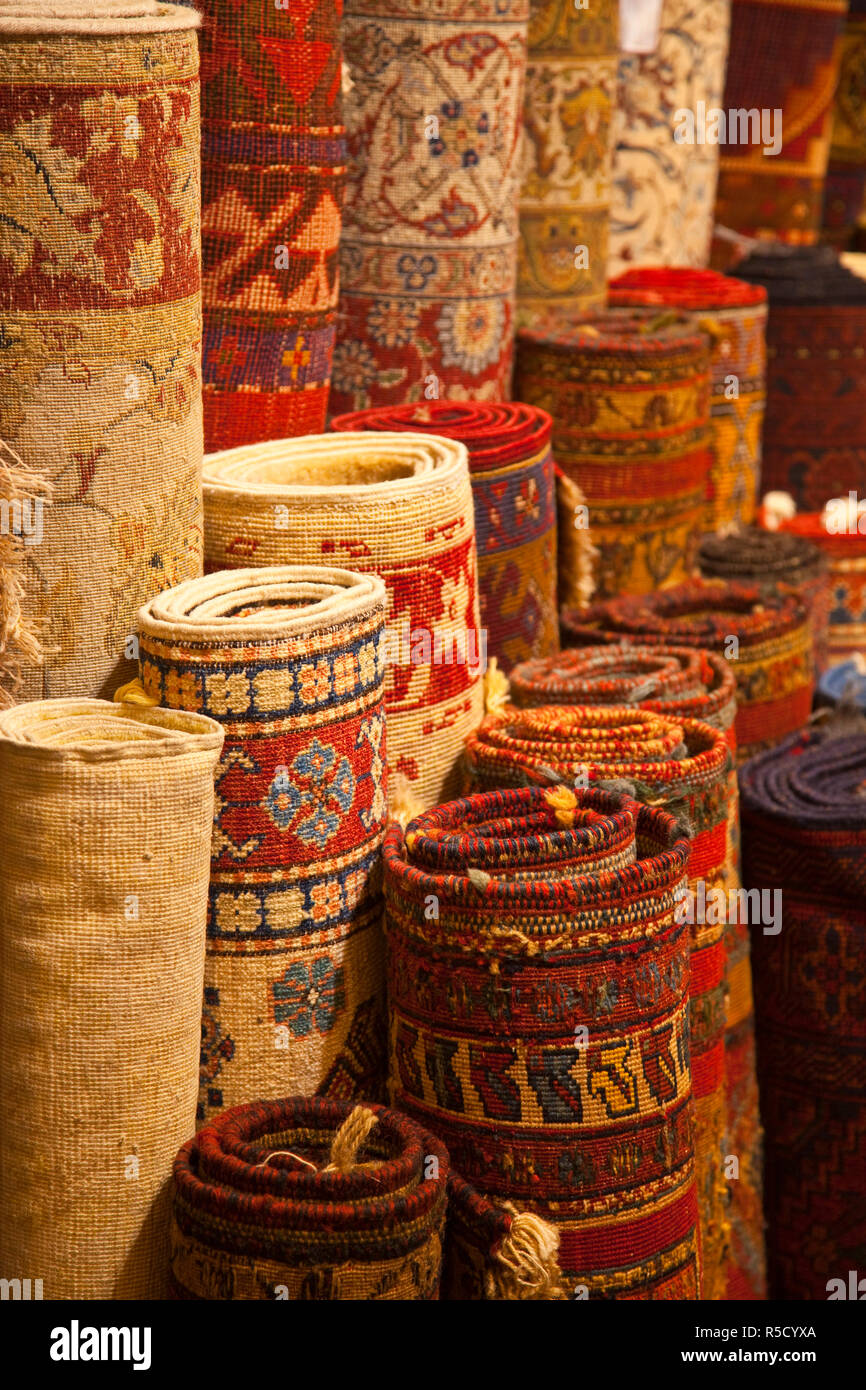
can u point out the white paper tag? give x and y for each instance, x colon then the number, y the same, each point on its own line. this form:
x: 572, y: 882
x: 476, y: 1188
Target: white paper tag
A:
x: 639, y: 25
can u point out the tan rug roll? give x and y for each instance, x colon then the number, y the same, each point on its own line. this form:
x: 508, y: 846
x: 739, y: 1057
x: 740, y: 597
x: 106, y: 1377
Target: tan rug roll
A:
x: 397, y: 505
x: 105, y: 828
x: 100, y: 284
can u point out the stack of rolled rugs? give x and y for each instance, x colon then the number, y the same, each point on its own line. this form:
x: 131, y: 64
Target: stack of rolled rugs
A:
x: 683, y: 765
x: 681, y: 682
x: 766, y: 638
x: 629, y: 393
x: 804, y: 844
x: 395, y: 505
x: 769, y: 558
x: 514, y: 499
x: 815, y: 433
x: 524, y: 928
x: 289, y: 660
x: 734, y: 315
x: 105, y: 828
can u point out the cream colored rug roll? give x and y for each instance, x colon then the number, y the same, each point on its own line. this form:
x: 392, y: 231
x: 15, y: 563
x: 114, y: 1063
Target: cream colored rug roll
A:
x: 289, y: 660
x: 105, y: 827
x: 397, y: 505
x: 100, y: 287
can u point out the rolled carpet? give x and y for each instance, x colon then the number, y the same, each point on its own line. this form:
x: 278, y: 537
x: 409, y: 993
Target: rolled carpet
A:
x: 804, y: 833
x: 100, y: 282
x: 783, y: 69
x: 814, y: 430
x: 735, y: 316
x: 846, y: 553
x: 514, y: 499
x: 845, y: 185
x: 105, y: 827
x: 629, y: 399
x: 290, y: 661
x: 273, y: 171
x: 519, y: 938
x: 22, y: 497
x: 768, y: 558
x: 684, y: 766
x: 428, y: 252
x: 664, y: 190
x: 306, y: 1199
x: 767, y: 638
x: 677, y: 682
x: 568, y: 140
x: 397, y: 505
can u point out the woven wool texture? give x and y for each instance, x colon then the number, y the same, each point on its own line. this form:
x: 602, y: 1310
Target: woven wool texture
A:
x: 22, y: 497
x: 664, y: 193
x: 784, y: 57
x: 100, y: 281
x: 531, y: 943
x: 267, y: 1207
x: 845, y: 186
x: 815, y: 433
x: 683, y: 765
x: 735, y: 315
x: 290, y: 661
x: 770, y: 634
x: 514, y: 500
x: 768, y: 558
x: 397, y: 505
x: 804, y: 832
x: 630, y: 406
x: 428, y: 256
x: 846, y: 554
x: 273, y: 171
x: 682, y: 682
x: 106, y: 818
x: 568, y: 151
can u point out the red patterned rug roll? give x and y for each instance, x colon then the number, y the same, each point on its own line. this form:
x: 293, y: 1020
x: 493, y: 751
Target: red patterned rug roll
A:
x: 804, y: 834
x: 683, y: 765
x: 630, y: 401
x: 273, y: 171
x: 766, y: 639
x: 521, y: 941
x: 428, y: 253
x: 735, y: 316
x: 513, y: 492
x: 815, y: 427
x: 846, y: 552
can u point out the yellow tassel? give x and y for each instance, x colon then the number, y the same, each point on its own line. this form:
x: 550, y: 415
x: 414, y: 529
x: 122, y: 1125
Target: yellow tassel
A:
x: 563, y: 802
x: 133, y: 693
x: 403, y: 804
x: 526, y: 1264
x: 496, y: 689
x: 713, y: 329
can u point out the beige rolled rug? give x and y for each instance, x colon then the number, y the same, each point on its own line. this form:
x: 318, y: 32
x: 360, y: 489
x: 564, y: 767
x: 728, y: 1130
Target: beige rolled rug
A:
x: 100, y: 288
x: 105, y: 827
x: 289, y: 660
x: 397, y: 505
